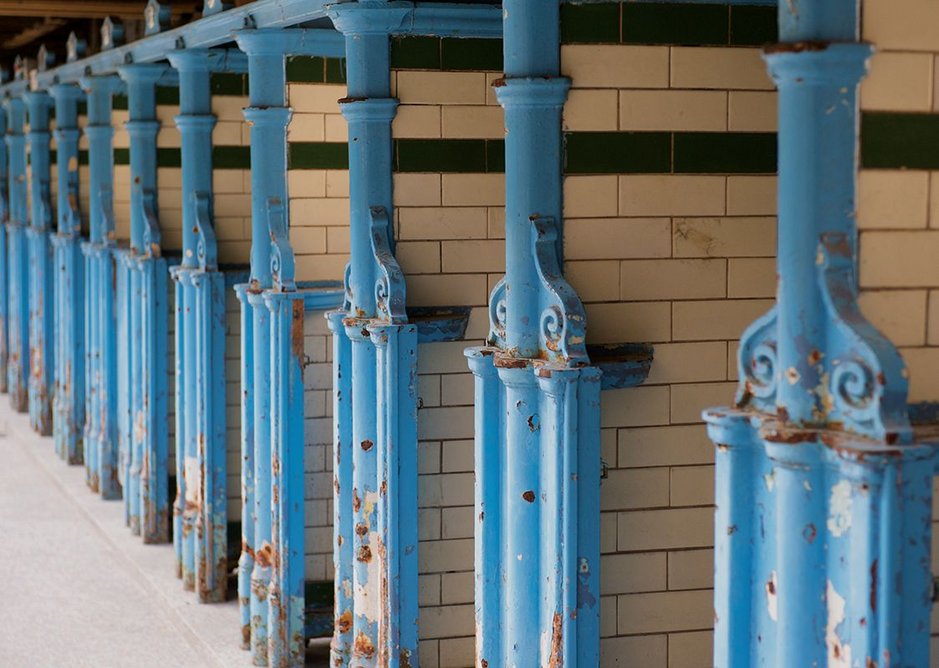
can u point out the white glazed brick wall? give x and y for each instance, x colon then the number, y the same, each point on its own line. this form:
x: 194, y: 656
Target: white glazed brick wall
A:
x: 318, y: 452
x: 233, y: 403
x: 319, y: 198
x: 898, y: 211
x: 684, y: 262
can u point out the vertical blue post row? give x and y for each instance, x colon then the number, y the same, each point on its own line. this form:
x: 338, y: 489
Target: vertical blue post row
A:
x: 823, y: 520
x: 18, y: 276
x: 68, y: 417
x: 4, y: 255
x: 267, y: 117
x: 537, y: 396
x: 41, y: 290
x: 101, y: 435
x: 377, y: 348
x: 146, y: 499
x: 201, y: 496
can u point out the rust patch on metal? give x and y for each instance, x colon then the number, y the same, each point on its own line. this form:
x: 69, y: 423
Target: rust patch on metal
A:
x: 245, y: 636
x: 809, y: 533
x: 356, y: 501
x: 363, y: 646
x: 556, y: 660
x: 265, y: 555
x: 361, y: 529
x: 874, y: 586
x: 344, y: 622
x: 296, y: 329
x: 365, y: 554
x: 367, y: 445
x: 529, y: 496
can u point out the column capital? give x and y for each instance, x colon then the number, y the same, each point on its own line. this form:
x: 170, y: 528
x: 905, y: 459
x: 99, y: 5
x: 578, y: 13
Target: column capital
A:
x: 272, y: 117
x: 66, y: 92
x: 191, y: 60
x: 369, y: 19
x: 143, y: 73
x: 101, y: 83
x: 818, y: 63
x: 531, y: 92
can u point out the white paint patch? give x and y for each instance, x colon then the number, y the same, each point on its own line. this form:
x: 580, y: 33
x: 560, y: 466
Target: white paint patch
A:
x: 193, y: 473
x: 839, y: 518
x: 770, y: 480
x: 807, y: 485
x: 368, y: 596
x: 771, y: 598
x: 839, y: 656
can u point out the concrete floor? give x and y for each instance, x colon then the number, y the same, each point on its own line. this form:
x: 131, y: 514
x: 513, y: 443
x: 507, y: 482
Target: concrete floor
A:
x: 80, y: 590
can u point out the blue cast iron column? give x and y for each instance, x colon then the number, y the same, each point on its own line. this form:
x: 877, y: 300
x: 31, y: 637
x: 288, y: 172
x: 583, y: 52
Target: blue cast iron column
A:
x: 267, y: 117
x: 822, y: 536
x: 18, y: 273
x: 41, y: 290
x: 537, y: 395
x: 146, y: 496
x: 375, y: 499
x: 200, y: 509
x: 100, y: 436
x: 4, y: 258
x: 271, y: 568
x: 68, y: 405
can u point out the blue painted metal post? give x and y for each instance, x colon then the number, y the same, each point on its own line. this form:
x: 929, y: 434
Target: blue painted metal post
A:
x: 537, y: 397
x: 68, y: 408
x: 147, y: 496
x: 201, y: 492
x: 377, y: 624
x: 267, y: 117
x: 4, y: 258
x: 18, y: 309
x: 822, y: 533
x: 41, y: 290
x: 101, y: 436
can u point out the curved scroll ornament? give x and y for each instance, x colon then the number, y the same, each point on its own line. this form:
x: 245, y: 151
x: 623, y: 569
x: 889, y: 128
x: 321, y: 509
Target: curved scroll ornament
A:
x: 206, y: 246
x: 106, y: 197
x: 389, y: 286
x: 756, y: 365
x: 497, y: 315
x: 45, y: 205
x: 282, y: 260
x: 152, y: 238
x: 347, y: 288
x: 563, y: 322
x: 867, y: 377
x: 72, y: 224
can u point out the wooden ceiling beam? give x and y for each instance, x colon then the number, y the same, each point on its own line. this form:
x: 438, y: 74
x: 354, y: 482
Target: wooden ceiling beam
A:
x: 83, y: 9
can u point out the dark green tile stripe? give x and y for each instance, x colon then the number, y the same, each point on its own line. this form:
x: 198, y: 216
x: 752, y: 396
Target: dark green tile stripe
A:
x: 662, y: 23
x: 447, y: 53
x: 899, y: 141
x: 724, y: 152
x: 223, y: 157
x: 227, y: 83
x: 313, y: 69
x: 313, y: 155
x: 618, y: 152
x: 122, y: 156
x: 167, y: 95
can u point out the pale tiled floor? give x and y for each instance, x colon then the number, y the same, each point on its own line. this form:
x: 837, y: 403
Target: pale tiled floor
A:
x: 78, y: 589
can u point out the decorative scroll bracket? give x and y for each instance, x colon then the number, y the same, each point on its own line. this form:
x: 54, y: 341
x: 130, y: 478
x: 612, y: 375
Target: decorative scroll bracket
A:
x: 45, y: 206
x: 206, y: 246
x: 106, y: 197
x: 282, y: 259
x: 390, y: 287
x: 563, y: 322
x: 152, y: 237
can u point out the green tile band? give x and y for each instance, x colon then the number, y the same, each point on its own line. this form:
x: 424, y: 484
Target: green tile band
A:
x: 724, y: 152
x: 318, y: 155
x: 447, y: 53
x: 229, y: 84
x: 686, y: 24
x: 899, y: 141
x: 314, y: 69
x: 618, y: 152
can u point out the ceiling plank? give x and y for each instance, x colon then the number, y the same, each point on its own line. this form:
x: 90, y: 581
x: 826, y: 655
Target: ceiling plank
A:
x: 83, y: 9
